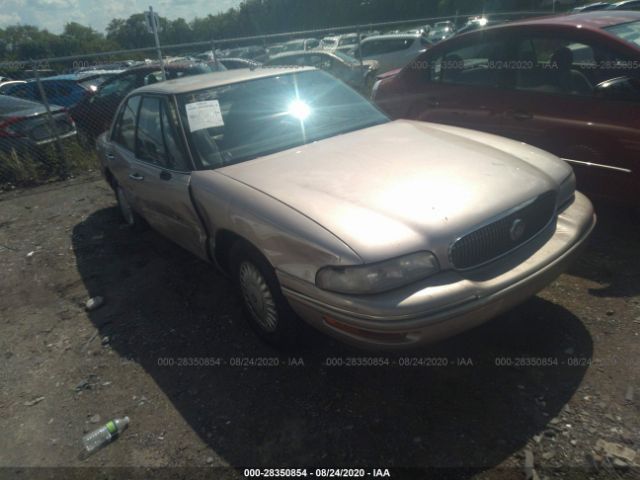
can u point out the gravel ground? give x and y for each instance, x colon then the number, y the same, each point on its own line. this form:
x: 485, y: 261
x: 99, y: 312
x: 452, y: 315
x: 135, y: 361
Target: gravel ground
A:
x: 550, y: 389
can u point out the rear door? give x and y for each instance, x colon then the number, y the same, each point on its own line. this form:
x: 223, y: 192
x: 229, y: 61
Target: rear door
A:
x: 159, y: 175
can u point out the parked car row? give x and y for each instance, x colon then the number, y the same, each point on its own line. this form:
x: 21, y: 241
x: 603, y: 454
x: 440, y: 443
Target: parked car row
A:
x: 340, y: 65
x: 65, y: 90
x: 379, y: 53
x: 94, y: 113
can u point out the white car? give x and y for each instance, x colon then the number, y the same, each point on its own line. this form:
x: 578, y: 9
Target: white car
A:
x: 392, y: 51
x: 5, y: 85
x: 347, y: 41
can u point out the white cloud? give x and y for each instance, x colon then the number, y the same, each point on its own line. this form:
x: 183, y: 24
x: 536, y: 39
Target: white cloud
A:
x: 9, y: 18
x: 53, y: 14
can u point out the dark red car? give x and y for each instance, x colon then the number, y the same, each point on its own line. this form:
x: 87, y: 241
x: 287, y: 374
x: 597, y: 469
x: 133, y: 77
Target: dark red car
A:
x: 567, y: 84
x: 94, y: 113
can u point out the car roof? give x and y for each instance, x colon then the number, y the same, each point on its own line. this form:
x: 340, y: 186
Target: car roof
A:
x: 393, y: 36
x: 237, y: 59
x: 175, y: 65
x: 216, y: 79
x: 595, y: 20
x: 303, y: 52
x: 80, y: 76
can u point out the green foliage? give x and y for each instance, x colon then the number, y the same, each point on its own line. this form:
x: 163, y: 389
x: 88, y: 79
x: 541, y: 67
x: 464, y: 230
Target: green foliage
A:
x: 29, y: 168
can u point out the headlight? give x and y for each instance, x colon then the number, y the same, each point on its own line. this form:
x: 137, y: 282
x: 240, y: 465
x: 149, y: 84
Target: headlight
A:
x: 566, y: 190
x: 378, y: 277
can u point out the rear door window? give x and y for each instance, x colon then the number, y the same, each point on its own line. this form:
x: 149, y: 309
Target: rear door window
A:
x: 149, y: 143
x: 124, y: 133
x: 157, y: 139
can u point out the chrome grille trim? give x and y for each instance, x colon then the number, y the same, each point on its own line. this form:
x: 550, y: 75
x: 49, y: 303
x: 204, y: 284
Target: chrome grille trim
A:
x: 492, y: 240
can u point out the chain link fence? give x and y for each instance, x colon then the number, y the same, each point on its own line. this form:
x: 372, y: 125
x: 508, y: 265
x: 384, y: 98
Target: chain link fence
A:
x: 53, y: 109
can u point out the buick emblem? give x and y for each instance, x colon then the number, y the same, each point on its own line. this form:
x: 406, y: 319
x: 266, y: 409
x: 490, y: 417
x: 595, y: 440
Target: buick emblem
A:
x: 517, y: 229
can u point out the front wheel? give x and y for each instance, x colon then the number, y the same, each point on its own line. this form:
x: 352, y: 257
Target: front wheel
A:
x: 264, y: 305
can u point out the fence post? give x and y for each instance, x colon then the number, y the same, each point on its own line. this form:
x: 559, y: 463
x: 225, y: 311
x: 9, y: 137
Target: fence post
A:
x: 62, y: 163
x: 154, y: 27
x: 364, y: 78
x: 213, y: 53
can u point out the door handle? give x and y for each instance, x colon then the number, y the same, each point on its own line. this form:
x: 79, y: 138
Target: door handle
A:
x: 136, y: 176
x: 520, y: 115
x: 110, y: 156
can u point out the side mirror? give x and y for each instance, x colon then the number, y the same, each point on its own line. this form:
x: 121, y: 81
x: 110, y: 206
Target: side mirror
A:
x: 619, y: 88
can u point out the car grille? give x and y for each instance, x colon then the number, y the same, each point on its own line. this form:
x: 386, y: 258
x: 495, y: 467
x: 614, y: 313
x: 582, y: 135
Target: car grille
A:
x: 493, y: 240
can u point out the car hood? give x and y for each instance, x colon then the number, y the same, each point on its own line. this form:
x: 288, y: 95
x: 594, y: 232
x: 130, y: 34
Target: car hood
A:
x: 402, y: 186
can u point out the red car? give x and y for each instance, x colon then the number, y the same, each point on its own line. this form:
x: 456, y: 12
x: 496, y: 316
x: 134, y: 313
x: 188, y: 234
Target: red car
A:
x: 567, y: 84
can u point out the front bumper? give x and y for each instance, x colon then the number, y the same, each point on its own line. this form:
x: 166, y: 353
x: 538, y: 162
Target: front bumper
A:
x: 451, y: 301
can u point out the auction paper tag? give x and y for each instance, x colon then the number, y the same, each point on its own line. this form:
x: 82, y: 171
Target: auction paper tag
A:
x: 204, y: 114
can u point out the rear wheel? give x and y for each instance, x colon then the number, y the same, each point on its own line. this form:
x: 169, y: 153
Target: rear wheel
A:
x: 129, y: 215
x: 264, y: 305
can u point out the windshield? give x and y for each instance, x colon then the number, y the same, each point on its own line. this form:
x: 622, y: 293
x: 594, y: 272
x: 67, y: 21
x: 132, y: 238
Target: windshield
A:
x: 237, y: 122
x: 629, y: 32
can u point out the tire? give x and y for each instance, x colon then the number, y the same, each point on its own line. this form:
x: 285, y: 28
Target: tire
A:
x: 128, y: 214
x: 264, y: 305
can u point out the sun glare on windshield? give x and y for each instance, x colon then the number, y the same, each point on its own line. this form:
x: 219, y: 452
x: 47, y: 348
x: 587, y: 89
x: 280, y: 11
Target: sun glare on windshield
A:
x: 299, y: 110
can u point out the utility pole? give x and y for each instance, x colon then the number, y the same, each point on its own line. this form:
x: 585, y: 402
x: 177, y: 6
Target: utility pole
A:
x: 153, y: 24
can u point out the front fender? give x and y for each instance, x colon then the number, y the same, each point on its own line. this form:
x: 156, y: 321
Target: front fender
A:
x: 291, y: 242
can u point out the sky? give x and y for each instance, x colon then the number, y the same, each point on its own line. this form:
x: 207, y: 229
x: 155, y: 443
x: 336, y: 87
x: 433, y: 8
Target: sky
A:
x: 53, y: 14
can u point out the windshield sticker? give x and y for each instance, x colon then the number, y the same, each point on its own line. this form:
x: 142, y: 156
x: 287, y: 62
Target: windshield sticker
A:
x: 203, y: 115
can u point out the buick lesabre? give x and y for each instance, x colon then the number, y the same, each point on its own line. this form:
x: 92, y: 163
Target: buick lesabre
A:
x: 382, y: 233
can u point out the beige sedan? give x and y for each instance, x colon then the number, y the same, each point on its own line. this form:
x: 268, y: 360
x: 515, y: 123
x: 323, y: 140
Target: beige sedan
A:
x: 382, y: 233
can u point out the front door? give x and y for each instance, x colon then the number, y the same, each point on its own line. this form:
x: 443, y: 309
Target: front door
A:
x: 460, y: 85
x: 560, y: 105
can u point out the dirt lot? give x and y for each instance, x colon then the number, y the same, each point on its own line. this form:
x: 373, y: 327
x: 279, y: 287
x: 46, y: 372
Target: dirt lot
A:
x: 541, y: 386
